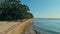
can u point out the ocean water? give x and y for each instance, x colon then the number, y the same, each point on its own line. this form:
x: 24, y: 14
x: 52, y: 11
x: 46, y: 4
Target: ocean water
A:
x: 47, y: 25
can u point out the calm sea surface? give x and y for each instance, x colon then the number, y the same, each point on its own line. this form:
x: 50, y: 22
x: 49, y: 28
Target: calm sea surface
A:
x: 47, y: 25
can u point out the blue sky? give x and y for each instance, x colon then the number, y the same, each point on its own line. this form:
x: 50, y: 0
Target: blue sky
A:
x: 44, y: 8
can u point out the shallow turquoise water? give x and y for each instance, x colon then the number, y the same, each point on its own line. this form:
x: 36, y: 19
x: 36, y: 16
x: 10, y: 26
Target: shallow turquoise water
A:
x: 47, y: 25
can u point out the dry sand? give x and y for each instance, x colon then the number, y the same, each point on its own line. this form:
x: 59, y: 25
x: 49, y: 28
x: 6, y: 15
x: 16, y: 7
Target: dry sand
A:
x: 14, y: 27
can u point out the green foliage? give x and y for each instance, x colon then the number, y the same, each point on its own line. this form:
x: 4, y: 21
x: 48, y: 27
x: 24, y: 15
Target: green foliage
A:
x: 28, y: 15
x: 14, y: 10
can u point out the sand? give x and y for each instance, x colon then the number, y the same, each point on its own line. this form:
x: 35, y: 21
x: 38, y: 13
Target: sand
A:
x: 14, y: 27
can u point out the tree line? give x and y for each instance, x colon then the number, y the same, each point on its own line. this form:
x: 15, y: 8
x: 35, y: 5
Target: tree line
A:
x: 14, y: 10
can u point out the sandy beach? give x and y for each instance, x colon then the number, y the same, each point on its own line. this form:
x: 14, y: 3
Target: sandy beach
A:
x: 14, y: 27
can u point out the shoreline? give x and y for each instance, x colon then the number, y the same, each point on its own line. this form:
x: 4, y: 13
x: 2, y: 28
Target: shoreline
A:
x: 15, y: 27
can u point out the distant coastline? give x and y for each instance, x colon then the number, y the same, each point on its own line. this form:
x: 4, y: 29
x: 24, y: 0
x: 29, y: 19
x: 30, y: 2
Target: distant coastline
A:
x: 49, y: 18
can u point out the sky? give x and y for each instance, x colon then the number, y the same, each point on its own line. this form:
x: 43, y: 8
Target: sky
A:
x: 44, y: 8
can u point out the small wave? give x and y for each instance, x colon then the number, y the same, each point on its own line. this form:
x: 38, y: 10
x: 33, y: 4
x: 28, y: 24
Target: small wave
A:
x: 36, y: 29
x: 50, y: 31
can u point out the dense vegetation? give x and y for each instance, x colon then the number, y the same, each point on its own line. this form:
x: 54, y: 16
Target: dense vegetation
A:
x: 14, y: 10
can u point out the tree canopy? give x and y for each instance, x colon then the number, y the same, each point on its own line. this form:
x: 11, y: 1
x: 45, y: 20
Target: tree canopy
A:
x: 14, y: 10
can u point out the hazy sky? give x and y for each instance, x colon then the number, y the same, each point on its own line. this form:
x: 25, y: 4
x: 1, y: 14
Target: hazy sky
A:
x: 44, y: 8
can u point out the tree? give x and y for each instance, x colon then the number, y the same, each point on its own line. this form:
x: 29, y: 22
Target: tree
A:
x: 13, y: 10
